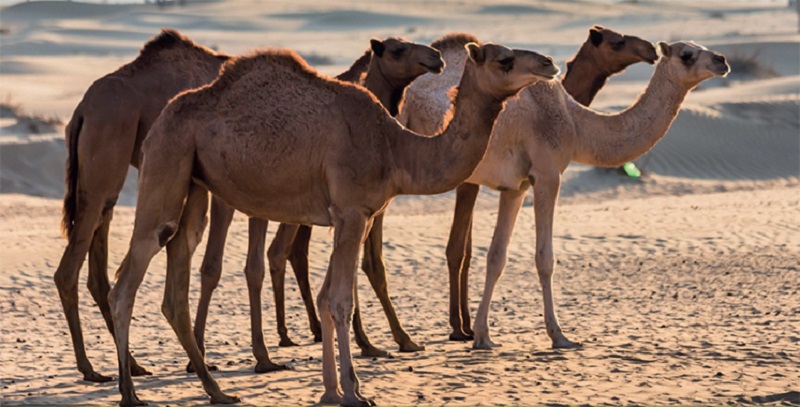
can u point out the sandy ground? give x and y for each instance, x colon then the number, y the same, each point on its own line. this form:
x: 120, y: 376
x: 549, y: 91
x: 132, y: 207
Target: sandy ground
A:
x: 684, y: 286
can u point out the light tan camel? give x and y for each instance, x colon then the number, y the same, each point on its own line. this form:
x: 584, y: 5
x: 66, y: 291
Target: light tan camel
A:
x: 276, y: 140
x: 538, y: 135
x: 391, y: 65
x: 605, y: 52
x: 103, y: 137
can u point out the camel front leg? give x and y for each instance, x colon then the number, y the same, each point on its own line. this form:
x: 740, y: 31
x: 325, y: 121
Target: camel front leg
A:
x: 375, y: 269
x: 175, y: 306
x: 466, y: 194
x: 211, y: 270
x: 277, y: 255
x: 545, y: 196
x: 336, y: 307
x: 510, y: 202
x: 254, y: 273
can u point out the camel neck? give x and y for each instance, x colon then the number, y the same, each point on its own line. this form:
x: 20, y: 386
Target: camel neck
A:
x: 432, y: 165
x: 613, y: 139
x: 389, y: 93
x: 356, y: 71
x: 584, y: 77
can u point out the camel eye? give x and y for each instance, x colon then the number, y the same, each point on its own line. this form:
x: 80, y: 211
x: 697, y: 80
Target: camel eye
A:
x: 507, y: 64
x: 398, y: 52
x: 687, y: 58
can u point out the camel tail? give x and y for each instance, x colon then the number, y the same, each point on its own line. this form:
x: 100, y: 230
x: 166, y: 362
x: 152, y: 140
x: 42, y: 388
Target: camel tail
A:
x: 70, y: 197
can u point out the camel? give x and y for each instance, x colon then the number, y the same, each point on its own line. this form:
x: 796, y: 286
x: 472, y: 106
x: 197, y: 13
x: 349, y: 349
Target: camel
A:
x: 534, y: 140
x: 278, y: 141
x: 391, y: 65
x: 103, y: 136
x: 604, y: 53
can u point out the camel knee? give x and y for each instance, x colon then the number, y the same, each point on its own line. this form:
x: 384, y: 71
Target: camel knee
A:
x: 66, y: 282
x: 341, y: 309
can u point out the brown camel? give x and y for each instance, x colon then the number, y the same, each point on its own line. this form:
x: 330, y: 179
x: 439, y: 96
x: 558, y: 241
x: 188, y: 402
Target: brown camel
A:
x: 605, y: 52
x: 103, y: 137
x: 535, y: 139
x: 276, y: 140
x: 391, y: 65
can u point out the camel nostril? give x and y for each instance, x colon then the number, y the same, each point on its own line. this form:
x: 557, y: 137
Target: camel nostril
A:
x: 719, y: 59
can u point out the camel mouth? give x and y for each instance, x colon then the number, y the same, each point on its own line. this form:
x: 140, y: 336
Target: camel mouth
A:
x: 547, y: 76
x: 438, y: 68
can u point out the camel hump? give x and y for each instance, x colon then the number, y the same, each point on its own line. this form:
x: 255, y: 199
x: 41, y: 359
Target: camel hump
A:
x: 168, y: 38
x: 268, y: 61
x: 454, y: 40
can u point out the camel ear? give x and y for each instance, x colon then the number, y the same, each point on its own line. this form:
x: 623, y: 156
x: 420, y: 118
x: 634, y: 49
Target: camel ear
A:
x: 377, y: 47
x: 595, y: 36
x: 476, y: 52
x: 666, y: 50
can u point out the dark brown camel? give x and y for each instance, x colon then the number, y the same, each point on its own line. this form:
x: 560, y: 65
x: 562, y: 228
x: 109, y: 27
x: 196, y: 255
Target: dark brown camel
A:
x: 104, y: 136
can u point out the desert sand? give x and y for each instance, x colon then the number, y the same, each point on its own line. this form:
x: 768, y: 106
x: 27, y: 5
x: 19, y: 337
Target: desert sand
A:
x: 683, y: 286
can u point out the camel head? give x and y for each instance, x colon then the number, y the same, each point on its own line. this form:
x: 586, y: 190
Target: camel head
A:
x: 502, y: 71
x: 692, y: 62
x: 614, y: 52
x: 402, y: 61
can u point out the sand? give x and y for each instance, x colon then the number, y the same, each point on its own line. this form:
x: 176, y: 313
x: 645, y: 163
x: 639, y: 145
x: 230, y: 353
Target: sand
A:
x: 683, y: 286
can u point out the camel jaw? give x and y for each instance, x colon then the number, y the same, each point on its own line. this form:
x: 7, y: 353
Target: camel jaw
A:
x: 437, y: 69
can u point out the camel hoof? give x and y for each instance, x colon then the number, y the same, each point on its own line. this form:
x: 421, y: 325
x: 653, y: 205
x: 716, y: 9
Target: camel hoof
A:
x: 461, y: 337
x: 286, y: 342
x: 137, y: 370
x: 211, y: 368
x: 95, y: 377
x: 564, y: 343
x: 371, y: 351
x: 410, y: 346
x: 468, y: 331
x: 223, y: 398
x: 329, y: 398
x: 484, y: 343
x: 267, y: 366
x: 132, y: 400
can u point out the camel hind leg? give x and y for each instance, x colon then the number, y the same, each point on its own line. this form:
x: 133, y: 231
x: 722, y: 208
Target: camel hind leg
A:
x: 375, y: 269
x: 93, y: 186
x: 211, y: 270
x: 254, y: 273
x: 164, y: 182
x: 176, y: 293
x: 298, y: 257
x: 459, y: 251
x: 98, y: 277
